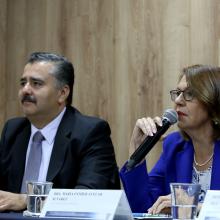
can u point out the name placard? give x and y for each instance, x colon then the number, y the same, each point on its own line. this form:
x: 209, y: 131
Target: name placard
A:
x: 87, y: 204
x: 211, y: 206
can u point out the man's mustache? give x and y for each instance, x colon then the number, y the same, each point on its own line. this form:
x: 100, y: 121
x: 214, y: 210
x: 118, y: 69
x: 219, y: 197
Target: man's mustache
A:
x: 28, y: 98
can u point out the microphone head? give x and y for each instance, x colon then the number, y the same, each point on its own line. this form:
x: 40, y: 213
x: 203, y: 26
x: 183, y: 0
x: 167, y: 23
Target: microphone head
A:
x: 170, y: 115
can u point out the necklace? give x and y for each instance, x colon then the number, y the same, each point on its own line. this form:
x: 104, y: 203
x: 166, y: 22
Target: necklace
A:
x: 202, y: 164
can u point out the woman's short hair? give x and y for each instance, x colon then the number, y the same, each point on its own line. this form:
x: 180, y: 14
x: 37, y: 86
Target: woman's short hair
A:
x: 204, y: 81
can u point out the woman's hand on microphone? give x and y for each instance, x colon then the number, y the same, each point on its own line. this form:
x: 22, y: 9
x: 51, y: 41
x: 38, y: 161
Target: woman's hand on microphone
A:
x: 144, y: 127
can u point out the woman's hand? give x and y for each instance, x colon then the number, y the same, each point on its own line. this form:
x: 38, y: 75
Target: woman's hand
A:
x: 144, y: 127
x: 162, y: 205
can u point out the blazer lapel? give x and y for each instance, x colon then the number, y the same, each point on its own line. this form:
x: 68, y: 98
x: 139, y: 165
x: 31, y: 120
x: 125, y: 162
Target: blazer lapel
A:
x: 19, y: 158
x: 215, y: 179
x: 62, y: 139
x: 184, y: 161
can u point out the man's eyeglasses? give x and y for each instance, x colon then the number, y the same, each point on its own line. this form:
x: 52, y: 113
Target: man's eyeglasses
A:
x: 187, y: 94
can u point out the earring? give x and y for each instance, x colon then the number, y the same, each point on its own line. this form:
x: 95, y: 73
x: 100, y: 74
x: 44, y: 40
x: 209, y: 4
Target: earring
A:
x: 216, y: 122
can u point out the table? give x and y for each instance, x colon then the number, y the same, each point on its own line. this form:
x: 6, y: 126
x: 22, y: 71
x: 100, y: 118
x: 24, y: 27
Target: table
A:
x: 19, y: 216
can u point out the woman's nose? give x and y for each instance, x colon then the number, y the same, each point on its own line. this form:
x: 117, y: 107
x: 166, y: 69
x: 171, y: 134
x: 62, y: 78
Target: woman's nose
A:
x: 179, y: 99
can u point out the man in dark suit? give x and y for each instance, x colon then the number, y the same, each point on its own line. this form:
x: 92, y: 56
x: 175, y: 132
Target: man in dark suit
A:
x: 76, y: 150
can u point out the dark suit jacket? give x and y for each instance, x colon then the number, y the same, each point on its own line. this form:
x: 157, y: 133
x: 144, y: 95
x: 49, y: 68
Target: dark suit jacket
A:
x: 82, y: 156
x: 175, y: 165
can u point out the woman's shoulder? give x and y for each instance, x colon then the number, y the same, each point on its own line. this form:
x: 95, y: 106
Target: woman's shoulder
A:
x: 173, y: 141
x: 174, y: 136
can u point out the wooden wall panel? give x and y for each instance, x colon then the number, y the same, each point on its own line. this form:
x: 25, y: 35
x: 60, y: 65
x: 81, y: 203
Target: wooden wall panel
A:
x: 36, y: 26
x: 137, y: 66
x: 175, y: 44
x: 3, y: 88
x: 127, y: 54
x: 203, y: 32
x: 15, y: 52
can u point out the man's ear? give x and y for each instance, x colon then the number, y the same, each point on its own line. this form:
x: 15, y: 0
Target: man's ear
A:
x: 63, y: 94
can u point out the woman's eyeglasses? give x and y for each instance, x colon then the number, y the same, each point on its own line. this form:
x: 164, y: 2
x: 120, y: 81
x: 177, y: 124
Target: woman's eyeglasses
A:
x: 187, y: 94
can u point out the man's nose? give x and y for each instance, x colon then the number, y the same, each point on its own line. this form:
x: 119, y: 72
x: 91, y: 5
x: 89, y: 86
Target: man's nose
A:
x: 27, y: 88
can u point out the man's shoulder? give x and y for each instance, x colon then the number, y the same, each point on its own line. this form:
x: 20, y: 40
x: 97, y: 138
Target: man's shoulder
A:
x: 79, y: 126
x: 17, y: 122
x: 14, y: 126
x: 82, y: 119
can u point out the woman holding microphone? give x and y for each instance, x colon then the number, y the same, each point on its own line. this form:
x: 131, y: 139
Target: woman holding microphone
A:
x: 191, y: 155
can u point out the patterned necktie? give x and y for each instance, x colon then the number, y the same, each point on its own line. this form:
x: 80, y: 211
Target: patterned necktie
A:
x: 34, y: 160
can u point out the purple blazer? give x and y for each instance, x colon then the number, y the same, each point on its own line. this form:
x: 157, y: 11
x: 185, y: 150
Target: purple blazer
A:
x: 175, y: 165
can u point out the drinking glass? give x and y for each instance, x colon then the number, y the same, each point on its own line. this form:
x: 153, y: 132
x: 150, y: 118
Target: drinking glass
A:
x: 185, y: 197
x: 37, y: 193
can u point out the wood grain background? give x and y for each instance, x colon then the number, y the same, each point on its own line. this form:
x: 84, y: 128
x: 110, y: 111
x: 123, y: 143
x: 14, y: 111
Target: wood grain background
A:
x: 127, y: 54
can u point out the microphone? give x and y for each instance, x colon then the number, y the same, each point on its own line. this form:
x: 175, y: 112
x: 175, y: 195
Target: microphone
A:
x: 169, y: 118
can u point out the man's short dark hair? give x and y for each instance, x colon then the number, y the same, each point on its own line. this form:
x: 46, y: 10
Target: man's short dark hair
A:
x: 63, y: 71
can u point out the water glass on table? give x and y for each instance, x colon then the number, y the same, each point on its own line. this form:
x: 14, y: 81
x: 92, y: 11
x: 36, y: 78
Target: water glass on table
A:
x: 37, y: 193
x: 185, y: 197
